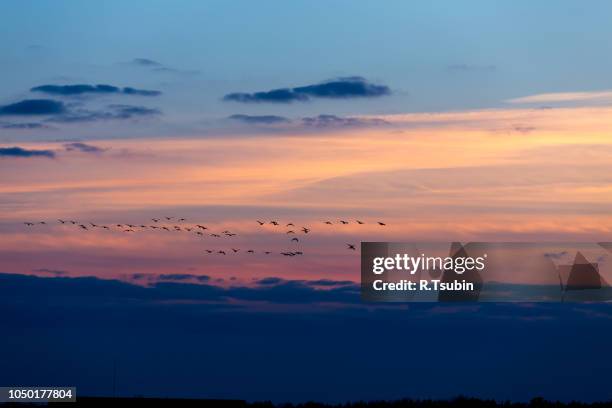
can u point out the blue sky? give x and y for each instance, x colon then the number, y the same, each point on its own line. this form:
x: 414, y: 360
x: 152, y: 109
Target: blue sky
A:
x: 435, y: 56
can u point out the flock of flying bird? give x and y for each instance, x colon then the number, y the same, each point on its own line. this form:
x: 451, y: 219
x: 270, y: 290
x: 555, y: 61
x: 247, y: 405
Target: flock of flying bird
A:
x: 202, y: 230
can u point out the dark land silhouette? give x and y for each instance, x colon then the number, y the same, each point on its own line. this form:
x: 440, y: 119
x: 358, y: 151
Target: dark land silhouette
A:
x: 460, y: 402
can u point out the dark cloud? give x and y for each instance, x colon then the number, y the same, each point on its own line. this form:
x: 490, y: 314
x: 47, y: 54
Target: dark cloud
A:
x: 83, y: 89
x: 20, y: 152
x: 260, y: 119
x: 29, y: 125
x: 33, y: 107
x: 178, y: 288
x: 338, y: 121
x: 113, y: 112
x: 83, y: 147
x: 141, y: 92
x: 341, y: 88
x: 183, y: 277
x: 329, y: 282
x: 146, y: 62
x: 269, y: 281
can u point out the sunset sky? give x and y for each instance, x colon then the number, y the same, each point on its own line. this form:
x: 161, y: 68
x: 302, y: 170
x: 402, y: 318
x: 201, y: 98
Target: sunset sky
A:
x: 449, y: 121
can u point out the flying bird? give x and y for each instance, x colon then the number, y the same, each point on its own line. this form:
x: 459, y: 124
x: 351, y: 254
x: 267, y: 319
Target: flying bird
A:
x: 360, y: 222
x: 295, y: 239
x: 169, y: 218
x: 250, y: 251
x: 221, y: 252
x: 381, y: 223
x: 290, y: 225
x: 209, y: 251
x: 155, y: 219
x: 305, y: 230
x: 273, y: 222
x: 201, y: 227
x: 235, y: 250
x: 29, y: 224
x: 181, y: 219
x: 260, y: 222
x: 62, y: 221
x: 350, y: 246
x: 328, y: 222
x: 215, y: 235
x: 343, y: 222
x: 290, y: 232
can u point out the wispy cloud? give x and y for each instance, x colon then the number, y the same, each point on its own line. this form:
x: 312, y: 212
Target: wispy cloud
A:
x: 27, y: 125
x: 112, y: 112
x: 558, y: 97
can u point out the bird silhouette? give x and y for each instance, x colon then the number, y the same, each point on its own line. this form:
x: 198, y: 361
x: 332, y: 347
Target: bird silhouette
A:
x: 62, y: 221
x: 235, y: 250
x: 250, y: 251
x: 43, y: 223
x: 290, y: 225
x: 155, y: 219
x: 298, y: 253
x: 181, y: 219
x: 83, y: 226
x: 274, y: 223
x: 189, y: 229
x: 209, y: 251
x: 169, y: 218
x: 201, y: 227
x: 305, y: 230
x: 166, y: 228
x: 295, y: 239
x: 267, y: 252
x: 29, y: 224
x: 328, y: 222
x: 260, y: 222
x: 343, y: 222
x: 215, y: 235
x: 199, y: 233
x: 290, y: 232
x: 350, y: 246
x: 360, y: 222
x: 221, y: 252
x: 381, y: 223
